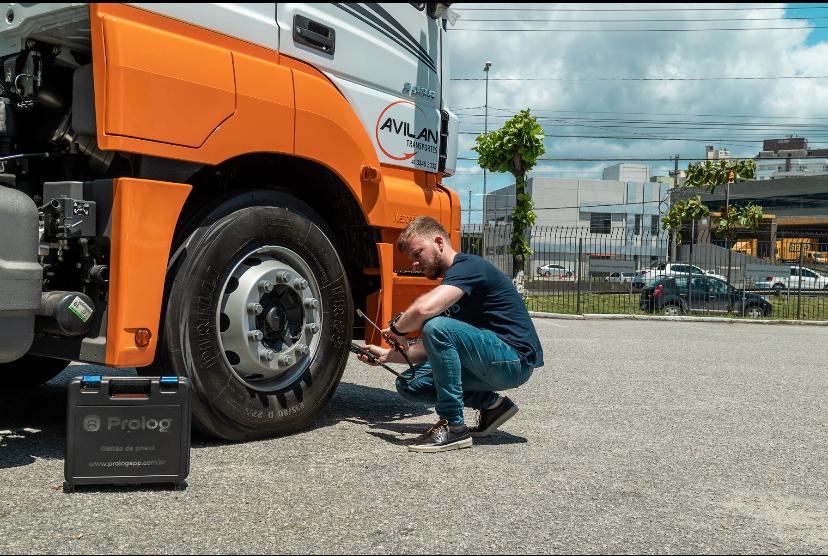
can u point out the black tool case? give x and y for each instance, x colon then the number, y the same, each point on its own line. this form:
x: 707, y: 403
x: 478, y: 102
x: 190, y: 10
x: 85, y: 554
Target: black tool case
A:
x: 127, y: 431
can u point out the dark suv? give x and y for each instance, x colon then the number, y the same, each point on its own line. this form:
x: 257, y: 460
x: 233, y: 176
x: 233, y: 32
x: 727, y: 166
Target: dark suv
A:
x: 673, y: 295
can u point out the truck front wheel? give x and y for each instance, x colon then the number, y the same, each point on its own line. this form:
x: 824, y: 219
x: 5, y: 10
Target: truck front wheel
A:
x: 259, y: 317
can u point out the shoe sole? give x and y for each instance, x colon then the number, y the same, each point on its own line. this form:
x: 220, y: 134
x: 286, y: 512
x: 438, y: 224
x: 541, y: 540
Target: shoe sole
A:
x: 496, y: 424
x: 465, y: 443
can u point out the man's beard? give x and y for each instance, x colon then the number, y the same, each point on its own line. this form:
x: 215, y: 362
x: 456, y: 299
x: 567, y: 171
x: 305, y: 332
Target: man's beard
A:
x: 434, y: 269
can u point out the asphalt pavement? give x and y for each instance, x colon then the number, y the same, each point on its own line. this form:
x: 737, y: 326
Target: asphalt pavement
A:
x: 637, y: 437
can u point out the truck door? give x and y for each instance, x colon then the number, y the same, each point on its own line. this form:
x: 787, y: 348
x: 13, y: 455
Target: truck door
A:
x: 384, y: 58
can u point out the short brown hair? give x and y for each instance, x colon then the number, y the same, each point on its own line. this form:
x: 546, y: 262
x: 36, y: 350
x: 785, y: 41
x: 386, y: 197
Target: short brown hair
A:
x: 422, y: 226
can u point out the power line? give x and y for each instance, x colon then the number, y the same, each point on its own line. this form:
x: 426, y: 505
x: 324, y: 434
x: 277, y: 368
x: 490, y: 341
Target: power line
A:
x: 647, y: 113
x: 653, y: 158
x: 522, y: 20
x: 648, y: 137
x: 587, y: 117
x: 728, y: 140
x: 576, y: 79
x: 697, y: 124
x: 583, y: 159
x: 479, y: 30
x: 739, y: 9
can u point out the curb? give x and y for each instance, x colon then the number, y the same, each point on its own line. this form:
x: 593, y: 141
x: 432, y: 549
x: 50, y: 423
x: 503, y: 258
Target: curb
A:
x: 725, y: 320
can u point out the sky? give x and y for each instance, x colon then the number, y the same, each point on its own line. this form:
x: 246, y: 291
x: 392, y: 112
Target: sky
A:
x: 630, y: 81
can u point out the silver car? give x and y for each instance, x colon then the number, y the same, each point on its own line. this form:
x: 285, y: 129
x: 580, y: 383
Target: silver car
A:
x: 621, y: 277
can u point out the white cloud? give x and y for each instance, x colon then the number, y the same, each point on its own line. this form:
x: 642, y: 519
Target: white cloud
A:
x: 584, y: 58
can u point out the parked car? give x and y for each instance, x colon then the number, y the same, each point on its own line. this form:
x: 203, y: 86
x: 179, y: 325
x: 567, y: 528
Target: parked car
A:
x: 554, y: 270
x: 811, y: 280
x: 672, y: 295
x: 623, y: 277
x: 677, y: 269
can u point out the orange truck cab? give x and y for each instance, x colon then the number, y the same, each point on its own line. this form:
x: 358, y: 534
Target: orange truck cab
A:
x: 212, y: 190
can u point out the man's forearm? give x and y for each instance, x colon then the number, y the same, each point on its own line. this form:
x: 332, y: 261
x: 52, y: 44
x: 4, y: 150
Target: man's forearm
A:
x: 413, y: 319
x: 416, y: 354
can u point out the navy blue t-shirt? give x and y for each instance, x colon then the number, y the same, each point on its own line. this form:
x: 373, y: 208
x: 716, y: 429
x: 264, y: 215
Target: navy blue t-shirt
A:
x: 491, y: 302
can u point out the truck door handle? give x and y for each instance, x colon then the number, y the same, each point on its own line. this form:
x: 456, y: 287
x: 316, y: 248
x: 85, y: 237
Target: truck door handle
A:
x: 314, y: 34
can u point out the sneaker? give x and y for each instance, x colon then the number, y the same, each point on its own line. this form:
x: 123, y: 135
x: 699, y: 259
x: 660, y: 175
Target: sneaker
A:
x: 439, y: 438
x: 490, y: 419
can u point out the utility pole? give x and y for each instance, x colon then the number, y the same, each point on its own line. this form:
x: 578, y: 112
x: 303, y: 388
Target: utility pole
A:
x: 641, y: 229
x: 730, y: 178
x: 469, y: 209
x: 673, y: 243
x: 486, y: 67
x: 485, y: 131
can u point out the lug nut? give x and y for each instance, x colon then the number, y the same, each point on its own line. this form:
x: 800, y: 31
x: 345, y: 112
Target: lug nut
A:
x: 311, y: 303
x: 286, y: 360
x: 313, y: 328
x: 267, y: 354
x: 300, y: 284
x: 255, y: 335
x: 266, y: 286
x: 255, y: 308
x: 303, y: 349
x: 282, y: 277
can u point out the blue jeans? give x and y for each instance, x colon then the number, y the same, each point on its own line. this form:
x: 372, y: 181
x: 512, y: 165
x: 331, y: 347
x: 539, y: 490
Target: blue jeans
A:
x: 465, y: 366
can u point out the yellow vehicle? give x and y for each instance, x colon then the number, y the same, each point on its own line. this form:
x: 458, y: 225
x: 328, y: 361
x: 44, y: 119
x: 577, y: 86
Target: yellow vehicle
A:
x: 788, y: 248
x: 746, y: 247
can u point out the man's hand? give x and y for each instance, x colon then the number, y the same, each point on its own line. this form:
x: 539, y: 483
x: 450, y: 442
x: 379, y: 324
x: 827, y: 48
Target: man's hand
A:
x: 401, y: 340
x: 380, y: 353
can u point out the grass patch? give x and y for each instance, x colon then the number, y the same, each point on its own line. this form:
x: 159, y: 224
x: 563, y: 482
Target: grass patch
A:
x: 814, y: 307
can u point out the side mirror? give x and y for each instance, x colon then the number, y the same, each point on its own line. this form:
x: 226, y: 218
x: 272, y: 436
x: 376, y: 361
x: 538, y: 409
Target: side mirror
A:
x: 437, y: 10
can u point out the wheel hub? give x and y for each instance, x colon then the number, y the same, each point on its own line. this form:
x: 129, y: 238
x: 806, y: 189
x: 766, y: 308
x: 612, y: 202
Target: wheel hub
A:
x: 269, y: 318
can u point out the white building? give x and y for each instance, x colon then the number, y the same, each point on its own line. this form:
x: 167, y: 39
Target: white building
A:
x: 716, y: 154
x: 626, y: 213
x: 790, y: 157
x: 772, y: 169
x: 627, y: 172
x: 600, y: 205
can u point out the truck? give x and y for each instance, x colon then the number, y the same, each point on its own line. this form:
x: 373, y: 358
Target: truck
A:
x: 212, y: 190
x: 798, y: 278
x: 788, y: 248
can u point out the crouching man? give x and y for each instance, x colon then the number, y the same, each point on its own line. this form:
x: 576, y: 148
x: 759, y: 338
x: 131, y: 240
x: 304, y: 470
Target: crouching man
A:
x: 478, y: 339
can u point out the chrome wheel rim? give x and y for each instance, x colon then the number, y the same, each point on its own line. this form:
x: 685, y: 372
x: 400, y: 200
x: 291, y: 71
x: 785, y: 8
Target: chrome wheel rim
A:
x: 269, y: 318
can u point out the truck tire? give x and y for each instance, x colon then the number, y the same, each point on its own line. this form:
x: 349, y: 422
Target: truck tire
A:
x: 31, y: 370
x: 259, y: 316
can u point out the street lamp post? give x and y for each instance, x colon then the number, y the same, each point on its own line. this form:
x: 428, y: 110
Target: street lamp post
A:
x: 486, y: 67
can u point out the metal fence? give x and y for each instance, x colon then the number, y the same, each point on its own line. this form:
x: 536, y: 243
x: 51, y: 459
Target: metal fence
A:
x: 577, y: 270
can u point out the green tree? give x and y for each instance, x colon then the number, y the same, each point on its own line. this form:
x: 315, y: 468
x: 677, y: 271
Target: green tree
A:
x: 515, y: 148
x: 709, y: 175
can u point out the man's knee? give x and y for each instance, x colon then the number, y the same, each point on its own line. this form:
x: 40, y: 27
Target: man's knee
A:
x: 405, y: 390
x: 416, y: 390
x: 436, y: 325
